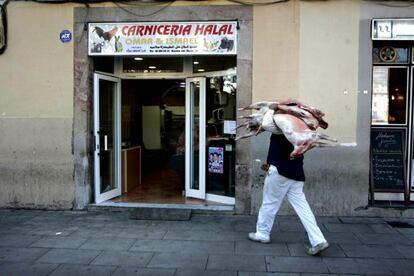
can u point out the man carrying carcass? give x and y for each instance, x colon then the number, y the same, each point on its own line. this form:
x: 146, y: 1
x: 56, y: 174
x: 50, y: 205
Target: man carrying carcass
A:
x: 285, y: 177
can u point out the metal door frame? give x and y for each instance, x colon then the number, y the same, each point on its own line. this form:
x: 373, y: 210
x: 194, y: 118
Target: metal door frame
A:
x: 100, y: 197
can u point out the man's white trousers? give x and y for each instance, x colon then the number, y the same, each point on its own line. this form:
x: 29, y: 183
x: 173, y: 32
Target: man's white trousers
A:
x: 276, y: 187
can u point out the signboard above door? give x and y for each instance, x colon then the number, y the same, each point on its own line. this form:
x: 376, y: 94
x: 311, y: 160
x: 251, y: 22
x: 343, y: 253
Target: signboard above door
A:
x: 393, y: 29
x: 162, y: 38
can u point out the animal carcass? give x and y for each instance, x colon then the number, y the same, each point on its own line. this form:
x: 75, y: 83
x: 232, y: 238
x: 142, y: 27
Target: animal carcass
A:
x: 291, y: 118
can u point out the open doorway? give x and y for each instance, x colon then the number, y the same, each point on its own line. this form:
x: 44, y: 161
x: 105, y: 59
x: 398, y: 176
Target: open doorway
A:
x: 153, y: 131
x: 157, y: 119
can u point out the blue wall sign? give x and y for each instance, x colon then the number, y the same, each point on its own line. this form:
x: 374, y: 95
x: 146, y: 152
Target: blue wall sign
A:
x: 65, y: 36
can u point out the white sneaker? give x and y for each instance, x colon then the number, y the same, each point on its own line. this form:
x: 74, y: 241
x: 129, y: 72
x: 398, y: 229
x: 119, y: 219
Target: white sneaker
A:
x: 317, y: 249
x: 254, y: 237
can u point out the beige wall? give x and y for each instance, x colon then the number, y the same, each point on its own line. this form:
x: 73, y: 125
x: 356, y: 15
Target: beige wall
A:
x: 309, y: 51
x: 275, y: 51
x: 36, y: 108
x: 37, y: 67
x: 329, y: 35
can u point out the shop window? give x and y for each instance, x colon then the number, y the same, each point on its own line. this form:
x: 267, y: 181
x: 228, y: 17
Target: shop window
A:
x: 389, y: 54
x: 213, y: 63
x: 153, y: 64
x: 389, y: 100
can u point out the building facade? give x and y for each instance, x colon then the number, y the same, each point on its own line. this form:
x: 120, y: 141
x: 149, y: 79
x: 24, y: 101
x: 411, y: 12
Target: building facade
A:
x: 66, y: 104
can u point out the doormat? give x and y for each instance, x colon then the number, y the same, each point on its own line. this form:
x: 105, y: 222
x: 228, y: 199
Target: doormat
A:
x: 400, y: 224
x: 160, y: 214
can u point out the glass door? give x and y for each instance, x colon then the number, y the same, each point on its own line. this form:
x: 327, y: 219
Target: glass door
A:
x: 195, y: 142
x: 210, y: 132
x: 107, y: 137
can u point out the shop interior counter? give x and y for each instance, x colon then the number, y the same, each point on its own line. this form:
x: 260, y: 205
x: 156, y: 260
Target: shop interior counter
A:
x: 131, y: 168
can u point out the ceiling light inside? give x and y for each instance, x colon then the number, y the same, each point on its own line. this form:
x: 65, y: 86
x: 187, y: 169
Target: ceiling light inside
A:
x: 138, y: 58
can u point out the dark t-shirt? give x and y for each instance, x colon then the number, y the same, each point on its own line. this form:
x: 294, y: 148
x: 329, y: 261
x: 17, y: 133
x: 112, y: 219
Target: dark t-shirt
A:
x: 279, y: 156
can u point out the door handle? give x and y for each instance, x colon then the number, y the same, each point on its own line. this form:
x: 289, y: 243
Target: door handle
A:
x: 96, y: 142
x: 105, y: 142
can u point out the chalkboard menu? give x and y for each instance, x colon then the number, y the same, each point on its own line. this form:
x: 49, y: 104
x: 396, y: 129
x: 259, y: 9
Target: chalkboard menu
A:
x: 388, y: 159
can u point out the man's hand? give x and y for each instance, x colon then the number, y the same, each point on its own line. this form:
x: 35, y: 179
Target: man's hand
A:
x: 265, y: 167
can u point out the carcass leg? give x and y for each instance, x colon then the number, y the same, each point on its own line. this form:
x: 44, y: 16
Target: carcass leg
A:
x: 326, y: 137
x: 250, y: 134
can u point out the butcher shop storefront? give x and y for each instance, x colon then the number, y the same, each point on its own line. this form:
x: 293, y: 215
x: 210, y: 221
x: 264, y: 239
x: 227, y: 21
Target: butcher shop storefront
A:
x: 392, y: 179
x: 164, y: 112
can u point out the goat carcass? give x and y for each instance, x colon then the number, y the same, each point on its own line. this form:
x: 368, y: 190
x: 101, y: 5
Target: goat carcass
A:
x: 291, y: 118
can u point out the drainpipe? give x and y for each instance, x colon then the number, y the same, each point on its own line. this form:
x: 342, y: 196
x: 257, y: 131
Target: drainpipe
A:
x: 3, y: 26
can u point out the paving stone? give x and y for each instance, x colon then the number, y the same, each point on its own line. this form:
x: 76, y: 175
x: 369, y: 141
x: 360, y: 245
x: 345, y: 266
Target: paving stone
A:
x: 381, y: 238
x: 382, y: 229
x: 108, y: 244
x: 370, y: 251
x: 228, y: 236
x: 243, y: 273
x: 97, y: 232
x: 48, y: 219
x: 16, y: 216
x: 399, y: 267
x: 327, y: 220
x: 255, y: 248
x: 289, y: 237
x: 69, y: 256
x: 135, y: 271
x: 342, y: 238
x: 8, y: 254
x: 123, y: 258
x: 344, y: 228
x: 405, y: 231
x: 410, y: 238
x: 205, y: 235
x: 298, y: 250
x: 406, y: 251
x: 169, y: 226
x: 183, y: 246
x: 59, y: 242
x: 142, y: 234
x: 289, y: 226
x: 11, y: 269
x: 236, y: 262
x: 12, y: 229
x: 296, y: 264
x: 356, y: 266
x: 192, y: 272
x: 189, y: 235
x: 52, y: 230
x: 157, y: 213
x: 321, y: 274
x: 215, y: 226
x: 245, y: 227
x: 359, y: 220
x: 132, y: 224
x: 179, y: 260
x: 17, y: 240
x: 83, y: 270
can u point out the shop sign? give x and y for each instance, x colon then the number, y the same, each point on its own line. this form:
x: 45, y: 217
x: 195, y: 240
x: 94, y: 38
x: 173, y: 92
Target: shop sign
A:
x: 163, y: 38
x: 65, y: 36
x: 388, y: 159
x: 393, y: 29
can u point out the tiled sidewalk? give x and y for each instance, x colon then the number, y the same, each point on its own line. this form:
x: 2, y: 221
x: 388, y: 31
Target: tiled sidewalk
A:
x: 86, y: 243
